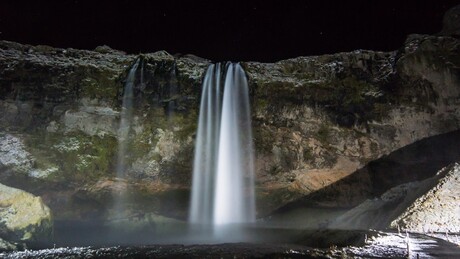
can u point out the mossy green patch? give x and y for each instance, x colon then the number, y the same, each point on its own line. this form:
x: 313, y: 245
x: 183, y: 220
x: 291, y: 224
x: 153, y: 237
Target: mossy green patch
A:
x: 323, y: 134
x: 263, y: 139
x: 79, y: 157
x: 348, y: 100
x: 260, y: 104
x: 166, y: 139
x: 183, y: 127
x: 308, y: 155
x: 92, y: 160
x: 100, y: 84
x: 186, y: 125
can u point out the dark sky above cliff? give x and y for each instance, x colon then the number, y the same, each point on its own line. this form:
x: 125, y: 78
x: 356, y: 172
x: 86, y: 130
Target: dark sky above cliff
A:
x: 222, y: 30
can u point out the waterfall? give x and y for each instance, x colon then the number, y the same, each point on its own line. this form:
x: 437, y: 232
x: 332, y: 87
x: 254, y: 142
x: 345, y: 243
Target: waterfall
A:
x: 172, y: 91
x: 126, y: 115
x: 207, y: 143
x: 125, y: 120
x: 234, y: 187
x: 223, y: 173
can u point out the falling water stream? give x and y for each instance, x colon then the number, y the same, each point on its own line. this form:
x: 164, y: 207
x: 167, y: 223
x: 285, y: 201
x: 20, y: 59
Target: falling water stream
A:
x: 234, y: 186
x: 223, y: 173
x: 206, y: 148
x: 172, y: 91
x: 126, y: 115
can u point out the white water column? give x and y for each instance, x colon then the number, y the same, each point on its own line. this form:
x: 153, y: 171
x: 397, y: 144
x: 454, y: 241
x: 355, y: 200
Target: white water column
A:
x: 207, y: 143
x: 223, y: 173
x: 234, y: 192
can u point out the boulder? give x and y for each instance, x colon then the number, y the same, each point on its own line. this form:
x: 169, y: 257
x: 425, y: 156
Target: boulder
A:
x: 23, y: 216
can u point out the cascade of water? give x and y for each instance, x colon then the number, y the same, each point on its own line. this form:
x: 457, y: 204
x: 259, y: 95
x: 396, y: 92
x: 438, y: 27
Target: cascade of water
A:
x: 126, y: 115
x: 234, y: 193
x: 172, y: 90
x: 142, y: 83
x: 205, y: 163
x: 223, y: 173
x: 125, y: 119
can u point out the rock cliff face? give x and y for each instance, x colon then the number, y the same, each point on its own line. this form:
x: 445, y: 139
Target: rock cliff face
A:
x: 317, y: 121
x: 330, y: 115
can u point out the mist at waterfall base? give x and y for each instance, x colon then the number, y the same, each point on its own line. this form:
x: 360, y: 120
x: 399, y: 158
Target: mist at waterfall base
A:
x: 222, y: 200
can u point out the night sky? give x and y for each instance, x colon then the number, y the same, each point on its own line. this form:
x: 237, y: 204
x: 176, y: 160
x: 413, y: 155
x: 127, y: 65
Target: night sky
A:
x: 222, y: 30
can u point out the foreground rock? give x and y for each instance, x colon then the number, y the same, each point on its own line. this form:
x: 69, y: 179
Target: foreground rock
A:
x: 24, y: 218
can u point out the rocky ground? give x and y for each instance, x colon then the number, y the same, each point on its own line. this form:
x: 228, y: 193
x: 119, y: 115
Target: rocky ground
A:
x: 379, y: 245
x: 392, y: 245
x: 178, y: 251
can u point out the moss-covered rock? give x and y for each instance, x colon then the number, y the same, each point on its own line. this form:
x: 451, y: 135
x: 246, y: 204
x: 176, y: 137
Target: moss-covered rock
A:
x: 24, y: 217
